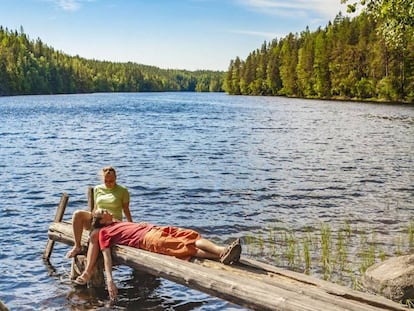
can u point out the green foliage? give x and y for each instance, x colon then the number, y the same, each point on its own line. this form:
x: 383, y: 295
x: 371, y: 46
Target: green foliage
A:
x: 348, y: 59
x: 31, y: 67
x: 395, y: 18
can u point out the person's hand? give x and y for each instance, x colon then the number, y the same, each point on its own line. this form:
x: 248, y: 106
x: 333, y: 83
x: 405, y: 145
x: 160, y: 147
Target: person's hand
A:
x: 112, y: 290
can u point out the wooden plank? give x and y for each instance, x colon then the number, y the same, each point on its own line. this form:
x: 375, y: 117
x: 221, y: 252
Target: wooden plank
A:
x: 250, y: 283
x: 58, y: 218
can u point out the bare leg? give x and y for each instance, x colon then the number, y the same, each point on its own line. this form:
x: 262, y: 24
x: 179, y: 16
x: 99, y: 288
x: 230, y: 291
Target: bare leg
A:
x: 203, y: 254
x: 206, y: 247
x: 92, y: 256
x: 80, y: 220
x: 226, y: 255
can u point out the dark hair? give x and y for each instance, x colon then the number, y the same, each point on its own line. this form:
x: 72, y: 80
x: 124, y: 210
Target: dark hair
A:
x: 96, y: 222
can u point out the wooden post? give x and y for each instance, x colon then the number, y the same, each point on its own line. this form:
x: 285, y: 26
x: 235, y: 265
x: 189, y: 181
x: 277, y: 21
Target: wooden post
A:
x: 79, y: 265
x: 3, y: 306
x: 58, y: 218
x: 91, y: 203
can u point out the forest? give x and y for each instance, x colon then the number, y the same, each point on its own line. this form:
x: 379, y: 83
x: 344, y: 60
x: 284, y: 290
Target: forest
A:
x: 366, y: 57
x: 31, y: 67
x: 348, y: 59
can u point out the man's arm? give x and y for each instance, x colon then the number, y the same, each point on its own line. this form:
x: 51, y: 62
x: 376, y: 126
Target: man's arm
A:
x: 112, y: 290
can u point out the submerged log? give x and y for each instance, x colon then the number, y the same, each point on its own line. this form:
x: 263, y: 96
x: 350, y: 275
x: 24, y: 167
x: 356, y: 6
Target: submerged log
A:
x: 249, y: 283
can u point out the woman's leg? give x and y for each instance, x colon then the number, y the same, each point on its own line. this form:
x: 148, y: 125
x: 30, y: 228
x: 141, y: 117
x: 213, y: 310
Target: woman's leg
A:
x: 92, y: 256
x: 80, y: 220
x: 208, y: 249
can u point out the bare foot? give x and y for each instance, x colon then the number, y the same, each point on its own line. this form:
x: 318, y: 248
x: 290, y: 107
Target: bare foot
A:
x: 73, y: 252
x: 83, y: 279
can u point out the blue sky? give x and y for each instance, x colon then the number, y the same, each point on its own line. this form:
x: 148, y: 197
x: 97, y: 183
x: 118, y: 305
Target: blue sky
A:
x: 178, y: 34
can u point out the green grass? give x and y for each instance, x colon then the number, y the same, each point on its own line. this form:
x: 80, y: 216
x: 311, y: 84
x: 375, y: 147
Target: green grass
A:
x: 339, y: 255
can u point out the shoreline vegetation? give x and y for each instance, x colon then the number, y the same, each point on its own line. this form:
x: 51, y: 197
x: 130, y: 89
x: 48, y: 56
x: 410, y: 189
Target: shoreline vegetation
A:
x: 340, y: 255
x: 30, y: 67
x: 348, y: 60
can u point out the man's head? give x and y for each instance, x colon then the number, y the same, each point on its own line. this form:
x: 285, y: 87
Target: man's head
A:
x: 109, y: 177
x: 101, y: 218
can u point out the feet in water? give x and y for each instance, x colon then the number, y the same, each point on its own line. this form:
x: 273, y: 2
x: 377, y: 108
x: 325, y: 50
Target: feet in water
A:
x: 82, y: 279
x: 73, y: 252
x: 232, y: 253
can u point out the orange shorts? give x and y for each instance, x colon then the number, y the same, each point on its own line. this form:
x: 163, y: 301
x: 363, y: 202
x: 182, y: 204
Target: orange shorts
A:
x: 171, y: 241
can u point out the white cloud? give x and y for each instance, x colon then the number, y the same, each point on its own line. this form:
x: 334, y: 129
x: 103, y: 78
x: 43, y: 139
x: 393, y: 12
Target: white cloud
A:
x: 69, y: 5
x: 296, y: 8
x: 265, y: 35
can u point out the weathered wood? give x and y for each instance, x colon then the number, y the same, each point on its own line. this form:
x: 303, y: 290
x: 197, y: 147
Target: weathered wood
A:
x: 3, y: 306
x: 78, y: 266
x: 62, y: 232
x: 91, y: 203
x: 250, y: 283
x: 58, y: 217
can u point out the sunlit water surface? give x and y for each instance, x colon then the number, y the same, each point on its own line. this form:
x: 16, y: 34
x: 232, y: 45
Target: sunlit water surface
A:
x: 226, y: 166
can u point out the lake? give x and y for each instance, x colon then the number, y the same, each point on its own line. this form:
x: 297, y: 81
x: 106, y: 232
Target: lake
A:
x: 227, y: 166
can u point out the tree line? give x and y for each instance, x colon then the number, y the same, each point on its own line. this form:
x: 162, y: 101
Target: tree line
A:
x: 348, y: 59
x: 32, y: 67
x: 370, y: 56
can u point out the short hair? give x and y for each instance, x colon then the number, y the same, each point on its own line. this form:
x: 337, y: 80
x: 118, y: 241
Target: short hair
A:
x: 108, y: 169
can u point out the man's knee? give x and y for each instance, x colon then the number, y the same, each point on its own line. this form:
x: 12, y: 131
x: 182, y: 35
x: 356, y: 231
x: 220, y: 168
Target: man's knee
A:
x: 81, y: 215
x: 82, y: 218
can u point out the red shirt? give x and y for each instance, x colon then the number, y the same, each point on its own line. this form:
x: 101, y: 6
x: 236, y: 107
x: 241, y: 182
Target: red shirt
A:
x: 123, y: 233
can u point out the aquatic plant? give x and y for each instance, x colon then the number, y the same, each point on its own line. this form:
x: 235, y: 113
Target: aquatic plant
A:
x: 339, y: 256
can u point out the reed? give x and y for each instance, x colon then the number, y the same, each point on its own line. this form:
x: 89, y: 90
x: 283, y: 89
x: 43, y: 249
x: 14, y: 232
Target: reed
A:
x: 411, y: 235
x: 306, y: 245
x: 291, y: 249
x: 341, y: 251
x: 342, y: 255
x: 326, y: 241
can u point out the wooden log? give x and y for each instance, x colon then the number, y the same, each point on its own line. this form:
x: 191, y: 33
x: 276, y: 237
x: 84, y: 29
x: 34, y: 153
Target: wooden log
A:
x: 58, y: 218
x: 91, y: 203
x: 62, y: 232
x: 78, y: 266
x: 250, y: 283
x: 317, y: 288
x: 3, y: 306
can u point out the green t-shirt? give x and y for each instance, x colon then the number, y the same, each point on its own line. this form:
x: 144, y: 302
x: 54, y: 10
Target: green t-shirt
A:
x: 111, y: 199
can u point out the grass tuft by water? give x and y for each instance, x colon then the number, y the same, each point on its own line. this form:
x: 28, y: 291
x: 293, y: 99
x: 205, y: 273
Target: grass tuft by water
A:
x: 337, y: 255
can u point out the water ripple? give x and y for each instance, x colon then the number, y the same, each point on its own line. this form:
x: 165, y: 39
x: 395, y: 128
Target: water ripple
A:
x: 226, y: 166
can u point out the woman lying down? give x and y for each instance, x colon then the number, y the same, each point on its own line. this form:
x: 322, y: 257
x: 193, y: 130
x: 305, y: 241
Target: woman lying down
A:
x: 168, y: 240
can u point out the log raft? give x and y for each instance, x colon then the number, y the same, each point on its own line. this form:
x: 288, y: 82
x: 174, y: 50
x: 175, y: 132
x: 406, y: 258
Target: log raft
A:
x: 249, y: 283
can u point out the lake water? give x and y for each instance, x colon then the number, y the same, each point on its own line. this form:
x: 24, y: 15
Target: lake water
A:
x: 226, y: 166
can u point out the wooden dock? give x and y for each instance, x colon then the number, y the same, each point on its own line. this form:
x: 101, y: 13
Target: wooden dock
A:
x: 250, y: 283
